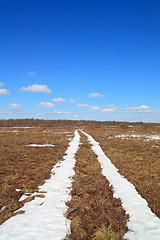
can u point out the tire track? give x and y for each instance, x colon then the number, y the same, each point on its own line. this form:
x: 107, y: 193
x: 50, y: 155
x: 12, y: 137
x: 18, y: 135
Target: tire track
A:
x: 143, y: 223
x: 93, y: 211
x: 44, y: 218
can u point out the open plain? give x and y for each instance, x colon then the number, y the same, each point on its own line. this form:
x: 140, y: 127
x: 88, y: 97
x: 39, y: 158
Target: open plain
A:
x: 93, y: 210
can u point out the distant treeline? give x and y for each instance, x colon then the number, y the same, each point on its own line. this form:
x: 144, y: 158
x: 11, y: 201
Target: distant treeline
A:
x: 31, y: 122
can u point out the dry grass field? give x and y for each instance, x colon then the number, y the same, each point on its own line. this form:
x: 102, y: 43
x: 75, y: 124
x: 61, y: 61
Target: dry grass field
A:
x: 93, y: 211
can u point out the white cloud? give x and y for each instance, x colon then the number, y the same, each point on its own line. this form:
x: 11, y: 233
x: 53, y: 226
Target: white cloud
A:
x: 57, y: 112
x: 46, y: 105
x: 123, y: 111
x: 108, y: 110
x: 4, y: 112
x: 110, y: 105
x: 96, y: 95
x: 38, y: 114
x: 82, y: 105
x: 14, y: 106
x: 67, y: 112
x: 93, y: 109
x: 140, y: 110
x: 142, y: 107
x: 36, y: 89
x: 58, y: 100
x: 4, y: 92
x: 71, y: 100
x: 22, y: 113
x: 81, y: 111
x: 32, y: 74
x: 1, y: 84
x: 75, y: 116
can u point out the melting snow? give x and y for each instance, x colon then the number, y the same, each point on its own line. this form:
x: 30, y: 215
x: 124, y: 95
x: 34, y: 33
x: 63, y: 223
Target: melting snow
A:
x: 143, y: 223
x: 40, y: 145
x: 26, y: 195
x: 20, y: 127
x: 44, y: 217
x: 18, y: 190
x: 14, y: 131
x: 2, y: 208
x: 148, y: 137
x: 23, y: 197
x: 60, y: 132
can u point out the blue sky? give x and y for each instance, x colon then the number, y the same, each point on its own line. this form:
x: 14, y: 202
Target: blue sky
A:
x: 93, y: 60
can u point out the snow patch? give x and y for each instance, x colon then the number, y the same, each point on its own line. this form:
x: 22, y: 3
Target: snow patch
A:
x: 14, y: 131
x: 18, y: 190
x: 23, y: 197
x: 2, y: 208
x: 40, y: 145
x: 20, y: 127
x: 127, y: 136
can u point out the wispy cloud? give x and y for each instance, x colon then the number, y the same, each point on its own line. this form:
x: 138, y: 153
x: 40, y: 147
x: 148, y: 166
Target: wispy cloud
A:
x: 96, y: 95
x: 142, y: 107
x: 110, y: 105
x: 58, y: 100
x: 109, y: 108
x: 82, y: 111
x: 4, y: 112
x: 155, y: 110
x: 57, y: 112
x: 33, y: 74
x: 82, y: 105
x: 93, y: 109
x: 14, y: 106
x: 46, y: 105
x: 67, y: 112
x: 4, y: 92
x: 1, y: 84
x: 71, y: 100
x: 35, y: 88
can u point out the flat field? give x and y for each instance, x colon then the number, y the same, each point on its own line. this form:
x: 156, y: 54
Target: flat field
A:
x: 93, y: 211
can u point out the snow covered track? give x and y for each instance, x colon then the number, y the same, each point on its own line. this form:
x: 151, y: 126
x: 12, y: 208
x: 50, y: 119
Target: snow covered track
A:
x: 44, y: 217
x: 142, y: 224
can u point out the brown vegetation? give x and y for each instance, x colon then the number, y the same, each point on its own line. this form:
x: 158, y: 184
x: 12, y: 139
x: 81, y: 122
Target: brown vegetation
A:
x: 31, y: 122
